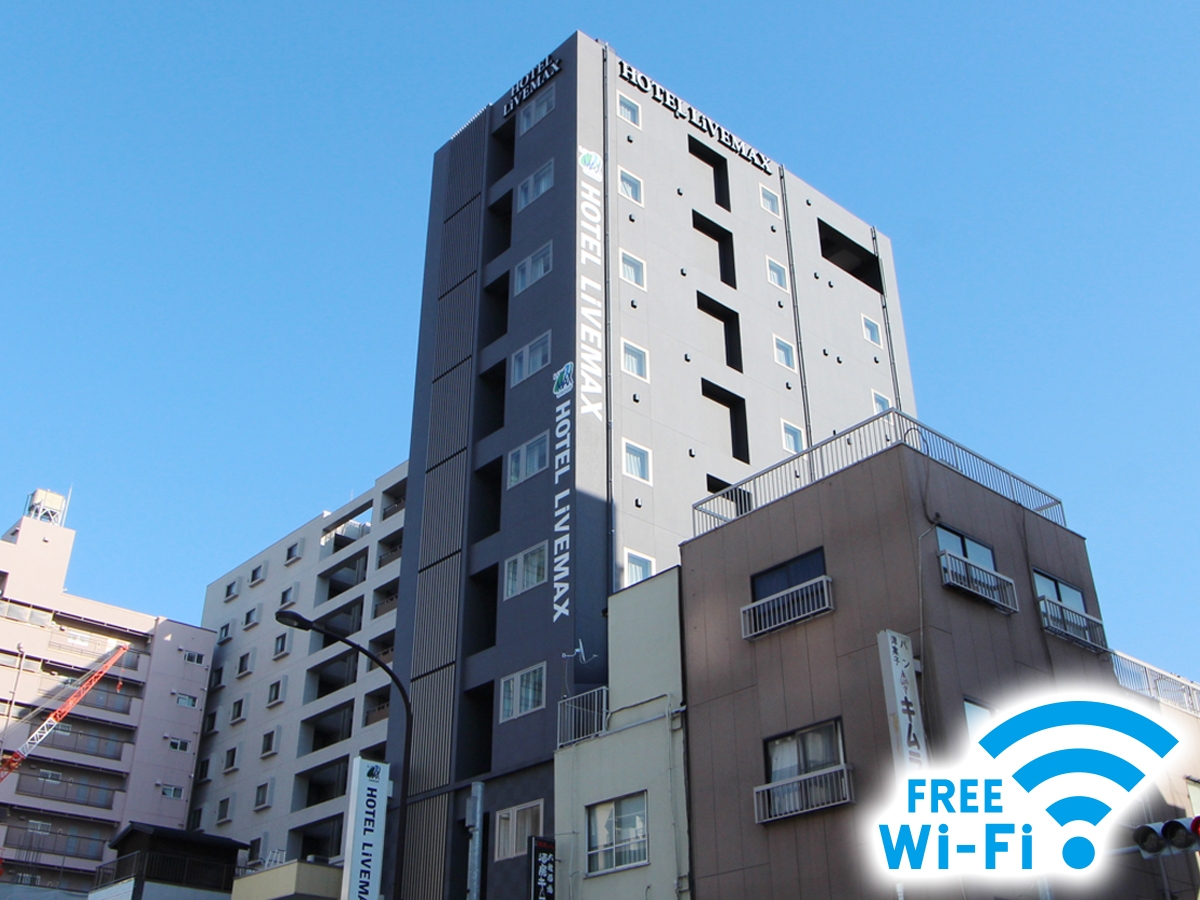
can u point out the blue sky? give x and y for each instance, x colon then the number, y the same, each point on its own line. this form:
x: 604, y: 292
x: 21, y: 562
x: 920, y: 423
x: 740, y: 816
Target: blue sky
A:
x: 212, y: 223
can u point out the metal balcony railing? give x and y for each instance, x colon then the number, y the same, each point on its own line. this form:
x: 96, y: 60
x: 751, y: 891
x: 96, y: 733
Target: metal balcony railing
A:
x: 1158, y: 684
x: 57, y: 843
x: 97, y: 796
x: 101, y: 699
x: 95, y: 647
x: 875, y: 435
x: 582, y: 716
x: 804, y: 793
x: 392, y: 508
x: 793, y: 605
x: 80, y: 742
x: 376, y: 714
x: 388, y: 555
x: 1073, y: 625
x: 384, y: 606
x: 166, y: 868
x: 996, y: 589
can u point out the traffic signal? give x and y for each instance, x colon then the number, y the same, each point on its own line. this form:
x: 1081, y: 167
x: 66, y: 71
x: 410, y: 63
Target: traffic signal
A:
x: 1167, y: 838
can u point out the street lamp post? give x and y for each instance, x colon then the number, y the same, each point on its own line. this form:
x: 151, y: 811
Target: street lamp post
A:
x: 294, y: 620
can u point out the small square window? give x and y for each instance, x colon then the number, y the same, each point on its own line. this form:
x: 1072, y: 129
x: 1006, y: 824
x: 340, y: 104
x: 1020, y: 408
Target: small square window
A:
x: 257, y: 573
x: 528, y: 459
x: 243, y: 665
x: 210, y: 722
x: 882, y: 404
x: 802, y: 753
x: 223, y: 633
x: 634, y: 360
x: 525, y: 570
x: 237, y: 711
x: 231, y: 590
x: 637, y: 462
x: 287, y: 596
x: 274, y: 692
x: 770, y: 200
x: 631, y: 187
x: 260, y: 796
x: 223, y: 810
x: 179, y: 744
x: 533, y: 268
x: 174, y: 791
x: 231, y: 759
x: 523, y: 692
x: 633, y: 269
x: 280, y: 644
x: 793, y: 438
x: 254, y: 852
x: 216, y: 678
x: 191, y: 656
x: 292, y: 553
x: 629, y: 110
x: 186, y: 700
x: 871, y: 331
x: 536, y: 109
x: 785, y: 353
x: 637, y: 567
x: 250, y: 618
x: 202, y: 770
x: 1052, y: 588
x: 531, y: 358
x: 514, y: 827
x: 194, y: 819
x: 777, y: 274
x: 535, y: 185
x: 268, y: 744
x: 617, y: 834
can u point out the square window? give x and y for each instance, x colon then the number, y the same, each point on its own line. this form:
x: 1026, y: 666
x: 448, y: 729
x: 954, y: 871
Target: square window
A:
x: 523, y: 692
x: 633, y: 269
x: 514, y: 827
x: 525, y: 570
x: 631, y: 187
x: 777, y: 274
x: 223, y: 810
x: 637, y: 462
x: 533, y: 268
x: 634, y: 360
x: 231, y: 759
x: 531, y: 358
x: 785, y: 353
x: 783, y: 578
x: 191, y: 656
x: 292, y: 553
x: 254, y: 852
x: 210, y: 722
x: 216, y: 678
x: 260, y: 795
x: 274, y: 692
x: 529, y: 459
x: 256, y: 574
x: 804, y: 752
x: 236, y: 712
x: 231, y: 590
x: 1052, y: 589
x: 223, y: 633
x: 871, y: 331
x: 250, y: 618
x: 882, y: 404
x: 243, y: 665
x: 202, y: 770
x: 186, y: 700
x: 965, y: 548
x: 194, y: 819
x: 617, y: 834
x: 793, y: 438
x: 268, y: 744
x: 535, y: 185
x: 537, y: 109
x: 287, y: 596
x: 629, y: 110
x: 280, y: 644
x: 174, y: 791
x: 179, y: 744
x: 637, y: 567
x: 770, y: 200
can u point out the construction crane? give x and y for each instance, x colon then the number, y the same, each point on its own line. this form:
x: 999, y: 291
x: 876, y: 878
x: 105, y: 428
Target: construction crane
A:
x: 18, y: 756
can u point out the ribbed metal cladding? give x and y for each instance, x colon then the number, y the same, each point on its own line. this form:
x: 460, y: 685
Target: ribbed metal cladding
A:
x: 450, y: 402
x: 441, y: 524
x: 455, y: 327
x: 435, y: 630
x: 460, y: 246
x: 425, y: 850
x: 432, y: 698
x: 465, y: 179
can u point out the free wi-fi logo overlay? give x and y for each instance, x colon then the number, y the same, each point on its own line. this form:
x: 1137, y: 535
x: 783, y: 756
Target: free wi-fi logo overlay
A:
x: 1037, y: 795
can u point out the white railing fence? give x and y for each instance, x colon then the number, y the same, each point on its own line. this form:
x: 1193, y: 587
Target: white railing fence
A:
x: 793, y: 605
x: 582, y: 716
x: 804, y: 793
x: 1158, y: 684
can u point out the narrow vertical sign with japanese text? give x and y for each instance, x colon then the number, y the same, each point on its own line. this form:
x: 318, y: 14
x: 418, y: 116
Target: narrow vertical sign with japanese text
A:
x: 541, y: 868
x: 903, y: 702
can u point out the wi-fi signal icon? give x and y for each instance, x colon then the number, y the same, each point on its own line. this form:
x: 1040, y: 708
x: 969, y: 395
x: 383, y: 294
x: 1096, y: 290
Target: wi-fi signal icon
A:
x: 1078, y: 852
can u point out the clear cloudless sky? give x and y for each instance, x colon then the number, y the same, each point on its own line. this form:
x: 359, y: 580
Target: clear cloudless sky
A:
x: 212, y: 228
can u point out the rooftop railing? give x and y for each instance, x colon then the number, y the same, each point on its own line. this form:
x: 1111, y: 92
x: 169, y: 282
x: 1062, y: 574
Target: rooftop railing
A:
x: 1158, y: 684
x: 804, y: 793
x: 797, y: 603
x: 582, y: 716
x: 1073, y: 625
x: 167, y: 868
x: 875, y: 435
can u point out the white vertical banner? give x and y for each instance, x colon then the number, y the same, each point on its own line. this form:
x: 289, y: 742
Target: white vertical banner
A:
x: 362, y: 850
x: 905, y: 722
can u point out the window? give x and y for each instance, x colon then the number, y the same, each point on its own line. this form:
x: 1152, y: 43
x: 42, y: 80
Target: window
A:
x: 260, y: 796
x: 250, y: 618
x: 50, y: 775
x: 194, y: 819
x: 634, y: 360
x: 223, y: 633
x: 223, y: 810
x: 280, y: 644
x: 804, y: 752
x: 243, y: 665
x: 777, y: 274
x: 536, y: 110
x: 39, y: 827
x: 268, y: 744
x: 629, y: 110
x: 525, y: 570
x: 637, y: 567
x: 274, y: 692
x: 254, y: 852
x: 871, y: 331
x: 179, y: 744
x: 231, y: 590
x: 533, y: 357
x: 237, y: 711
x: 1059, y: 591
x: 231, y: 759
x: 617, y: 834
x: 191, y: 656
x: 523, y: 692
x: 850, y: 256
x: 793, y: 573
x: 633, y: 269
x: 793, y: 437
x: 785, y: 353
x: 216, y: 678
x: 979, y: 719
x: 770, y: 200
x: 631, y: 187
x: 210, y: 722
x: 962, y: 546
x: 258, y: 573
x: 174, y: 791
x: 535, y: 185
x: 186, y: 700
x: 292, y: 553
x: 514, y: 827
x: 637, y: 462
x: 529, y: 459
x: 533, y: 268
x: 287, y: 596
x: 202, y: 770
x: 882, y: 403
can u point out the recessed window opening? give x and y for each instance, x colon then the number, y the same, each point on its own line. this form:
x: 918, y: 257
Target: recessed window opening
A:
x: 533, y: 268
x: 882, y: 404
x: 720, y: 169
x: 531, y: 358
x: 793, y: 573
x: 533, y: 111
x: 535, y: 185
x: 793, y: 437
x: 523, y: 692
x: 514, y: 827
x: 638, y: 567
x: 785, y: 353
x: 871, y: 331
x: 777, y: 274
x: 631, y: 187
x: 525, y: 570
x: 529, y: 459
x: 635, y: 360
x: 850, y: 256
x: 633, y: 269
x: 637, y: 461
x: 629, y: 110
x: 770, y: 200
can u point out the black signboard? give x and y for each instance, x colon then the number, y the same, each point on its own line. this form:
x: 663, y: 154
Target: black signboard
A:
x: 541, y: 868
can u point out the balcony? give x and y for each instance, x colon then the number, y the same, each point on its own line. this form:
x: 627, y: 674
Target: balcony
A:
x: 978, y: 581
x: 1155, y: 683
x: 384, y: 605
x: 166, y: 868
x: 376, y: 714
x: 110, y: 700
x: 582, y: 716
x: 388, y: 555
x: 94, y: 646
x: 1072, y: 625
x: 80, y: 742
x: 803, y: 601
x: 57, y: 843
x: 94, y: 795
x: 804, y: 793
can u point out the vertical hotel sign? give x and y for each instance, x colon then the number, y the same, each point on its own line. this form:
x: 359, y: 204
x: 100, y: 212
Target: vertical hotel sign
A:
x: 363, y: 849
x: 903, y: 702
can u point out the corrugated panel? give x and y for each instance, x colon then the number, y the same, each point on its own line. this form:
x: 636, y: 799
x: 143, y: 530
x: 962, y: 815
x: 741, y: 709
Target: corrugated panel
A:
x: 442, y: 511
x: 466, y: 164
x: 425, y: 850
x: 455, y: 327
x: 435, y: 630
x: 432, y: 698
x: 460, y: 246
x: 450, y: 403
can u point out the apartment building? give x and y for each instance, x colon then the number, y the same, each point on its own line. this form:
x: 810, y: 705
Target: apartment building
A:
x: 288, y: 710
x: 127, y: 751
x: 626, y: 307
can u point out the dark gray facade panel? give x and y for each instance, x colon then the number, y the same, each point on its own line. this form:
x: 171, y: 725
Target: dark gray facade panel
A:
x: 448, y: 428
x: 466, y: 164
x: 433, y: 717
x: 460, y: 246
x: 455, y: 327
x: 442, y: 510
x: 425, y: 853
x: 435, y: 633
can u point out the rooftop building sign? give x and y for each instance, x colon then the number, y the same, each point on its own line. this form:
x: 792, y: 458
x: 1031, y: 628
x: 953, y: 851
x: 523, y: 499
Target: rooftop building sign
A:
x: 533, y: 79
